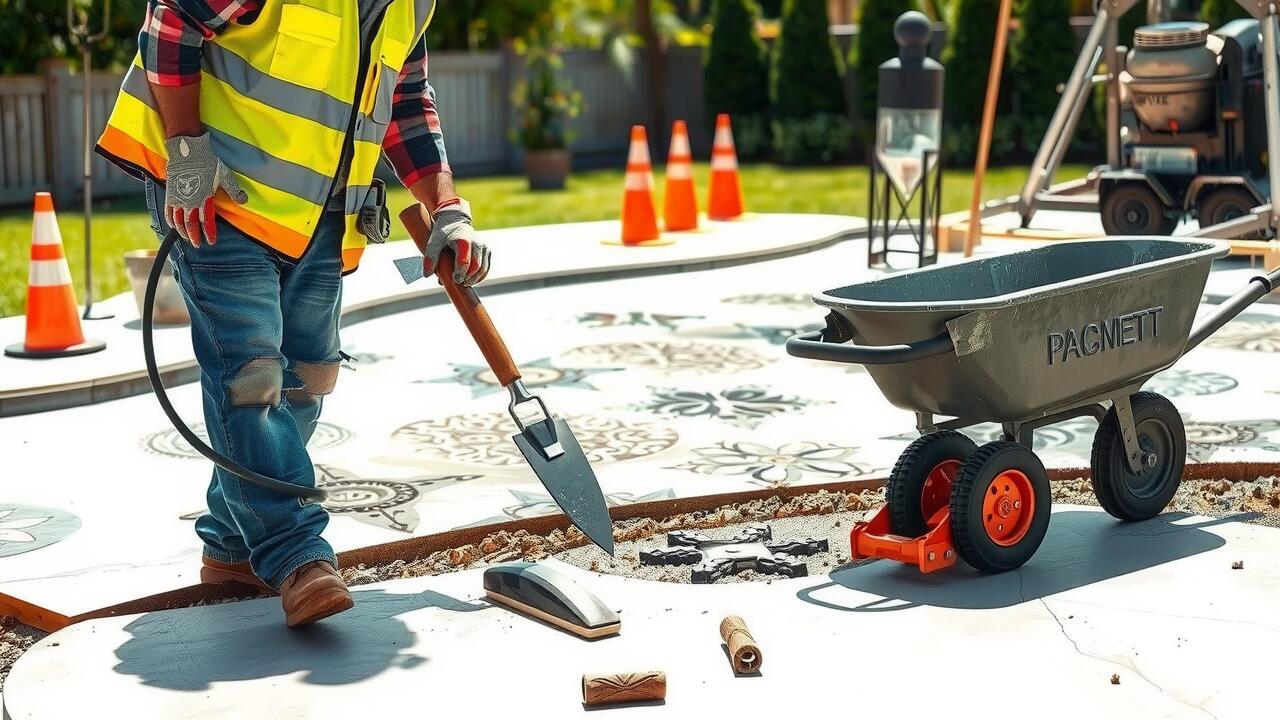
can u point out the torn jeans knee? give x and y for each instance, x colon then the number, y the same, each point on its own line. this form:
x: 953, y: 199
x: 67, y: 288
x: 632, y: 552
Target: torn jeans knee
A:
x: 316, y: 378
x: 258, y: 383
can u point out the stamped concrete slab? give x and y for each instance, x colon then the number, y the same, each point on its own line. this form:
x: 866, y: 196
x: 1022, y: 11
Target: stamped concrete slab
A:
x: 1156, y: 604
x: 678, y: 383
x: 523, y: 257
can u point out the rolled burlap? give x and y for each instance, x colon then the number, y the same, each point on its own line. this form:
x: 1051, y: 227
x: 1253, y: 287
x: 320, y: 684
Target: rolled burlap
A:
x: 624, y: 687
x: 743, y: 651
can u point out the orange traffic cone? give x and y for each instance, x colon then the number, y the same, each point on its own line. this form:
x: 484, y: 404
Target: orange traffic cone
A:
x: 53, y: 325
x: 679, y: 199
x: 639, y: 217
x: 725, y: 197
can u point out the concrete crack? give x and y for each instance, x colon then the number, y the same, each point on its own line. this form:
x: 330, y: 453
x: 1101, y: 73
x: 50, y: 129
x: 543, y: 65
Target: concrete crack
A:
x: 1131, y: 666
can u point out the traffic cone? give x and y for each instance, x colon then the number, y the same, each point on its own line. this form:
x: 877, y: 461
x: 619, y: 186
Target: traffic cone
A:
x: 724, y: 200
x: 639, y: 216
x: 679, y: 199
x: 53, y: 324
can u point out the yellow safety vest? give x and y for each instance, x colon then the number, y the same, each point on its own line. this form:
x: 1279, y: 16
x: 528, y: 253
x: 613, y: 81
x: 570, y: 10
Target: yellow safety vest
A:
x: 279, y: 98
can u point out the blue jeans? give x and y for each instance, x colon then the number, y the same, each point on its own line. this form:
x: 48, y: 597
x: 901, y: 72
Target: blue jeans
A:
x: 265, y: 333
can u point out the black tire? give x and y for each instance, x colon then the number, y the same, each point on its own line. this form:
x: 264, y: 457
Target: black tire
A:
x: 1223, y: 203
x: 993, y: 470
x: 1123, y: 494
x: 1134, y: 209
x: 910, y: 480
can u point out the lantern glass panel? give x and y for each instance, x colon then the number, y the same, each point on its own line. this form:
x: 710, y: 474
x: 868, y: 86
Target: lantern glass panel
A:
x: 902, y: 137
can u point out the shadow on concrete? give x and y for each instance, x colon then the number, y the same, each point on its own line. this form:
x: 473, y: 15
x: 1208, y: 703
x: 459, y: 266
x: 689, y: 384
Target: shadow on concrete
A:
x: 194, y: 648
x: 1081, y: 548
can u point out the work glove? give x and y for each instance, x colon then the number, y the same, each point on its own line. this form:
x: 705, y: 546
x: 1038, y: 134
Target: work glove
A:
x: 194, y: 176
x: 451, y: 228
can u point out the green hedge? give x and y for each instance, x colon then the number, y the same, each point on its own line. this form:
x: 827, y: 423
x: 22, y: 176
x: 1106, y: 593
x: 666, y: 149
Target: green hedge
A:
x: 736, y: 75
x: 811, y: 122
x: 1220, y: 12
x: 1042, y: 54
x: 874, y: 45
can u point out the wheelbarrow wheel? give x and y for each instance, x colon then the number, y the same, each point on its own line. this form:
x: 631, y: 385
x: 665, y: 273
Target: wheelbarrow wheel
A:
x: 1163, y: 441
x: 1000, y: 507
x: 920, y: 484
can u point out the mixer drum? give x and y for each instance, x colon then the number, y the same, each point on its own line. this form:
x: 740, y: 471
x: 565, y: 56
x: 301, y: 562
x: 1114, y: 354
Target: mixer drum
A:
x: 1171, y: 77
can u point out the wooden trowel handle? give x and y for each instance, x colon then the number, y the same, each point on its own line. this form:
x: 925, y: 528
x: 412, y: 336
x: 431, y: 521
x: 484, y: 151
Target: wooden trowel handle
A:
x: 418, y: 222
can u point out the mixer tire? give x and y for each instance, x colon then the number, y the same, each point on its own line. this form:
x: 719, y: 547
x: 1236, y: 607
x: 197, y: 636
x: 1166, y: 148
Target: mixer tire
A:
x: 1223, y: 203
x: 1134, y: 209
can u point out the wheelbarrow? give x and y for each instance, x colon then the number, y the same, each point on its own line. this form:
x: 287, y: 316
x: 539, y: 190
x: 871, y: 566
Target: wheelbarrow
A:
x: 1026, y: 340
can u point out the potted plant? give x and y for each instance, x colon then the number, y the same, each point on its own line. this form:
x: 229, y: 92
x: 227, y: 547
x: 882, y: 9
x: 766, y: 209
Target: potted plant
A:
x: 546, y: 103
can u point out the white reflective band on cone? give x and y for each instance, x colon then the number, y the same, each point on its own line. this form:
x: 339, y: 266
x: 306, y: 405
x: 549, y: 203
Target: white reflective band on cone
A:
x: 679, y: 171
x: 44, y: 230
x: 724, y: 162
x: 724, y: 138
x: 49, y: 273
x: 639, y: 181
x: 638, y: 154
x: 680, y: 146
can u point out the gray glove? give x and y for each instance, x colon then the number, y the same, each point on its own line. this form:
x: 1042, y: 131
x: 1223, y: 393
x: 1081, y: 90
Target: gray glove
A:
x: 194, y: 176
x: 451, y: 228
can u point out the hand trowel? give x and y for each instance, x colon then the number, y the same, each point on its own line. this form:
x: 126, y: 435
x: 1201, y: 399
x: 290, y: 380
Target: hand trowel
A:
x: 546, y: 441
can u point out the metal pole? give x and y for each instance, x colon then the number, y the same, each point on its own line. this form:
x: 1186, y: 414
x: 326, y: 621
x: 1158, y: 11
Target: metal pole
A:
x: 1112, y: 56
x: 86, y: 39
x: 1081, y: 74
x: 1271, y: 76
x: 1078, y: 108
x: 1157, y: 11
x: 988, y: 124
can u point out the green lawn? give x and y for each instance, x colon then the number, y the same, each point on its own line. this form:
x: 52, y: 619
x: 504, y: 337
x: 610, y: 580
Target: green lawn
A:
x: 496, y: 202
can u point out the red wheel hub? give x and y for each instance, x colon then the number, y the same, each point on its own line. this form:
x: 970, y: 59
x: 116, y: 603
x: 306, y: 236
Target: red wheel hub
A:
x: 936, y: 493
x: 1008, y: 506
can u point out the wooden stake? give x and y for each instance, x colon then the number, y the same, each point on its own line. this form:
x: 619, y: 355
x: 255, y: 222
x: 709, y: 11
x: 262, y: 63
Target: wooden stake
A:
x: 988, y: 123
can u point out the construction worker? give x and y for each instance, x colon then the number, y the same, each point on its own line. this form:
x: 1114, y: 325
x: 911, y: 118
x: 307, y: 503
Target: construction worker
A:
x: 256, y: 126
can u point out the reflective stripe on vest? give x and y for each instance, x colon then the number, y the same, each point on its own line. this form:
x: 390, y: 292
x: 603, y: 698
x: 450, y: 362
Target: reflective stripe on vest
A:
x: 278, y: 97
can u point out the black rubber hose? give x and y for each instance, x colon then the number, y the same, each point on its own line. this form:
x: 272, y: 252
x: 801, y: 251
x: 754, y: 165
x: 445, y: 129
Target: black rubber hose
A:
x: 153, y: 374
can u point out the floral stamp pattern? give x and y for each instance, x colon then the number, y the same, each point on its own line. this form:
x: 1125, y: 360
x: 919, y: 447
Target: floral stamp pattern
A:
x: 690, y: 357
x: 633, y: 318
x: 777, y: 466
x: 778, y: 335
x: 380, y: 502
x: 1184, y: 383
x: 795, y: 300
x: 744, y: 407
x: 532, y: 504
x: 485, y: 439
x: 536, y: 374
x: 171, y: 444
x: 24, y: 528
x: 1252, y: 332
x: 1204, y: 439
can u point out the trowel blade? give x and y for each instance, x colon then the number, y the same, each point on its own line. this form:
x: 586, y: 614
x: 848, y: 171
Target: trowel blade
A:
x: 410, y: 268
x: 569, y: 479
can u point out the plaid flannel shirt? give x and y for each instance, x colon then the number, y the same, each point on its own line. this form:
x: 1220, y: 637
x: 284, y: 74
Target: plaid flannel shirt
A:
x: 175, y: 31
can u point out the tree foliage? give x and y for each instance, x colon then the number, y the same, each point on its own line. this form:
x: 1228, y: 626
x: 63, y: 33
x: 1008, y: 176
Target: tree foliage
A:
x: 1220, y: 12
x: 1042, y: 54
x: 968, y: 60
x: 736, y: 69
x: 874, y: 45
x: 35, y: 30
x: 805, y: 77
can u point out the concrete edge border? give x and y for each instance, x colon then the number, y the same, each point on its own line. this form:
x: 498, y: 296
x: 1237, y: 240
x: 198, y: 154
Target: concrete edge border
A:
x: 414, y: 548
x: 89, y: 392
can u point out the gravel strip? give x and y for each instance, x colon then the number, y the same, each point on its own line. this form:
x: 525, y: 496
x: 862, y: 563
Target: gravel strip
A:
x: 15, y: 638
x: 819, y: 515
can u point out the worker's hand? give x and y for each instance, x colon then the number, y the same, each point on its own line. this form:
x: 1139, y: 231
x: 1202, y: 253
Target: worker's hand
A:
x: 451, y: 228
x: 194, y: 176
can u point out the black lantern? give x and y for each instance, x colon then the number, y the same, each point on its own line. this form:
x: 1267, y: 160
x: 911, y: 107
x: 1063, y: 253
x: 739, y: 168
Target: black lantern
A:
x: 905, y: 163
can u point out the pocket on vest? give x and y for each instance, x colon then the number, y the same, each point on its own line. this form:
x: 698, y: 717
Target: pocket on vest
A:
x: 305, y: 46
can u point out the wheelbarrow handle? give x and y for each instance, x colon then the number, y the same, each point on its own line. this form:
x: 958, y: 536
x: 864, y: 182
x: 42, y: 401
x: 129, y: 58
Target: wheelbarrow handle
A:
x: 810, y: 345
x: 1256, y: 289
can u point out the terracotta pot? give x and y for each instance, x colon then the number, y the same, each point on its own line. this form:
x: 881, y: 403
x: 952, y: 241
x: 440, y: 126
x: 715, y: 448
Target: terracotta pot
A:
x: 171, y: 309
x: 546, y: 169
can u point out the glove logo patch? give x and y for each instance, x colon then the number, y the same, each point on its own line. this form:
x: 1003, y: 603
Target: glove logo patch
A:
x: 186, y: 185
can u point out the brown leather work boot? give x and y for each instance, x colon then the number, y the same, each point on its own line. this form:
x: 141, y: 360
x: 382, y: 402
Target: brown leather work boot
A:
x: 216, y: 572
x: 313, y: 592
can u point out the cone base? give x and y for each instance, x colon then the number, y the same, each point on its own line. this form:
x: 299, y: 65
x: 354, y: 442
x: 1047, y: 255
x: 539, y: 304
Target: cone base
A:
x: 656, y: 242
x: 19, y: 350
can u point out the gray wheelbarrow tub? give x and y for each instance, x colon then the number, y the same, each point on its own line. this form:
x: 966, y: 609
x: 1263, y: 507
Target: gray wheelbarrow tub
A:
x: 1019, y: 336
